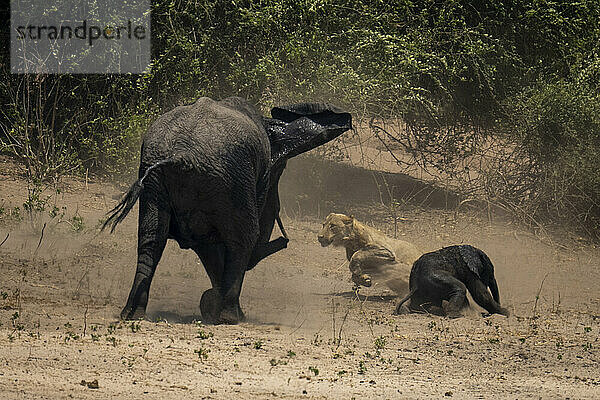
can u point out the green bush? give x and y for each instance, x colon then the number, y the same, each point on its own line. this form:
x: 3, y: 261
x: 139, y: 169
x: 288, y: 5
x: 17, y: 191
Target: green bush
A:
x: 556, y: 131
x: 458, y: 74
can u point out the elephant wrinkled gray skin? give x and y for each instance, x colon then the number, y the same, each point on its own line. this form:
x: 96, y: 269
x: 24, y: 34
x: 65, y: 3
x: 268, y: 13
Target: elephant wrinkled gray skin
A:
x: 208, y: 178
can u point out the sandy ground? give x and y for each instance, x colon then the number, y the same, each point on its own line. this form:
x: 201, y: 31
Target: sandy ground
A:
x: 308, y: 335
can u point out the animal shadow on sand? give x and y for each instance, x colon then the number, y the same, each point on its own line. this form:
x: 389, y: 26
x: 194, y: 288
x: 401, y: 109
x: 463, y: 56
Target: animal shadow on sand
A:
x: 376, y: 298
x: 180, y: 318
x: 174, y: 317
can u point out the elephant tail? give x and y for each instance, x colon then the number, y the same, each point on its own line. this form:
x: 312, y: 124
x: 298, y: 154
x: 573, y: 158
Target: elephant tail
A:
x: 405, y: 299
x: 492, y: 284
x: 120, y: 211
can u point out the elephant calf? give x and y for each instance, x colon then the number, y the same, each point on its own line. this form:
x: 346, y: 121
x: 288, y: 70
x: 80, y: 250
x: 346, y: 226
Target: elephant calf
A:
x: 439, y: 282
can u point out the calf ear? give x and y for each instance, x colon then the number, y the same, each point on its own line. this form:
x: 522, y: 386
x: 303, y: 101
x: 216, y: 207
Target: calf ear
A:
x: 297, y: 128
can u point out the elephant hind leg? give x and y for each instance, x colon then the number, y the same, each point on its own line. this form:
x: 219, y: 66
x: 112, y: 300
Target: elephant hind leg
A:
x: 153, y: 230
x: 422, y: 302
x: 233, y: 277
x: 240, y: 234
x: 211, y: 305
x: 213, y: 259
x: 442, y: 293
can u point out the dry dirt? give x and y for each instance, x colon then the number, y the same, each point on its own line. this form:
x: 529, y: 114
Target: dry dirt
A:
x: 308, y: 335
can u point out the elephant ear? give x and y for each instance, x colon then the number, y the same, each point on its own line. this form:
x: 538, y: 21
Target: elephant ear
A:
x: 471, y: 258
x: 297, y: 128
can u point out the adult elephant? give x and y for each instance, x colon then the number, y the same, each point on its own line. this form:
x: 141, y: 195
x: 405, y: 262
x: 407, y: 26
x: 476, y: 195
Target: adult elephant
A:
x: 208, y: 178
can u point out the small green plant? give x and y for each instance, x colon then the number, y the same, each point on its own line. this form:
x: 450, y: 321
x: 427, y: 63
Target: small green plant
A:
x: 258, y: 344
x: 559, y: 343
x: 202, y: 353
x: 291, y: 354
x: 274, y: 362
x: 54, y: 212
x: 95, y: 337
x: 362, y: 368
x: 112, y: 340
x: 587, y: 329
x: 135, y: 326
x: 380, y: 343
x: 35, y: 203
x: 128, y: 361
x: 342, y: 373
x: 71, y: 336
x: 14, y: 320
x: 16, y: 214
x: 587, y: 346
x: 77, y: 223
x: 202, y: 334
x: 314, y: 370
x: 316, y: 341
x: 112, y: 327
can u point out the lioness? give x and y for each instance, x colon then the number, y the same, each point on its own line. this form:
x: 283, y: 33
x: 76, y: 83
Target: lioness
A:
x: 371, y: 253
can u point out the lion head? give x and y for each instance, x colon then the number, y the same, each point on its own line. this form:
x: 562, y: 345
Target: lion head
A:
x: 336, y: 229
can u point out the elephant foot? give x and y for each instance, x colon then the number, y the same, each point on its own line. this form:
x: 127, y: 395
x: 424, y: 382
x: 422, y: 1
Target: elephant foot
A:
x: 211, y: 305
x: 135, y: 308
x: 232, y: 315
x: 451, y: 311
x: 132, y: 313
x: 214, y: 312
x: 504, y: 311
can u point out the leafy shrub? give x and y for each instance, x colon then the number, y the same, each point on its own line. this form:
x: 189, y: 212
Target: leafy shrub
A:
x: 455, y: 75
x: 556, y: 131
